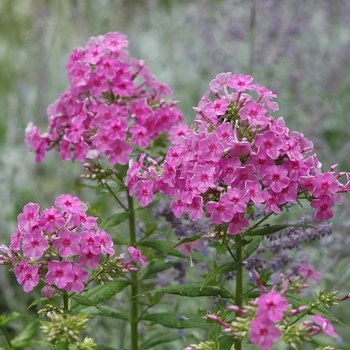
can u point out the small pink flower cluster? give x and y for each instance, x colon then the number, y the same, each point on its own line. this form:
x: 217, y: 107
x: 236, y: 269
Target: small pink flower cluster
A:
x: 57, y: 245
x: 113, y: 102
x: 267, y: 317
x: 235, y: 157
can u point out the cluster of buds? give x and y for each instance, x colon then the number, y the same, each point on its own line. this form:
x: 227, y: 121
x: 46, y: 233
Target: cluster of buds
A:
x: 268, y: 318
x: 206, y: 345
x: 236, y: 158
x: 113, y: 103
x: 69, y: 333
x: 98, y: 173
x: 60, y: 245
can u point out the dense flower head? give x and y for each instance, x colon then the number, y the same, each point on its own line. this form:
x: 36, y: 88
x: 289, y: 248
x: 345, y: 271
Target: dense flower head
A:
x: 112, y: 104
x: 236, y: 158
x: 60, y: 246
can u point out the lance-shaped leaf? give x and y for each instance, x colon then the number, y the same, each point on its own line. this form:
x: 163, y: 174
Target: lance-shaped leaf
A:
x: 252, y: 246
x: 160, y: 339
x: 4, y: 320
x: 192, y: 290
x: 186, y: 240
x: 177, y: 321
x: 228, y: 267
x: 114, y: 220
x: 154, y: 267
x: 273, y: 228
x: 100, y: 293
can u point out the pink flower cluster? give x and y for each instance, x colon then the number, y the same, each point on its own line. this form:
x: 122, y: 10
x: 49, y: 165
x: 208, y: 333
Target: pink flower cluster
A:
x: 236, y: 156
x: 57, y: 245
x: 113, y: 103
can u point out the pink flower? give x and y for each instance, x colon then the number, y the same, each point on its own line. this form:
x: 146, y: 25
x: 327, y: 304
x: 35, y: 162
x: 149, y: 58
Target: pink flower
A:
x: 240, y: 82
x: 237, y: 223
x: 186, y: 248
x: 31, y: 278
x: 271, y: 306
x: 264, y: 333
x: 276, y: 178
x: 89, y: 259
x: 106, y: 242
x: 59, y: 273
x: 145, y: 192
x: 29, y: 218
x: 120, y: 153
x: 34, y: 244
x: 326, y: 325
x: 136, y: 255
x: 90, y: 242
x: 50, y: 219
x: 70, y: 204
x: 308, y: 273
x: 67, y: 243
x: 220, y: 212
x: 80, y: 276
x: 268, y: 145
x: 324, y: 205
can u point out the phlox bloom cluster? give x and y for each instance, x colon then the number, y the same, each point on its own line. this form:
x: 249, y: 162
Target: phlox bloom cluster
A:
x: 57, y: 245
x: 236, y: 156
x: 271, y: 308
x: 113, y: 103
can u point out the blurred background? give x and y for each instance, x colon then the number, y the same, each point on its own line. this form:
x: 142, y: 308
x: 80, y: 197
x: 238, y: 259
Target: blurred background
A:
x: 298, y: 49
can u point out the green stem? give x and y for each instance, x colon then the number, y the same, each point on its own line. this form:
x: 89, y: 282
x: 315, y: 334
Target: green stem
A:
x: 115, y: 197
x: 66, y: 303
x: 239, y: 286
x: 134, y: 279
x: 7, y: 336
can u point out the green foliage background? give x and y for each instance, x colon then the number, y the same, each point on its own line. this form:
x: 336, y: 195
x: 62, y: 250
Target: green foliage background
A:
x: 298, y: 49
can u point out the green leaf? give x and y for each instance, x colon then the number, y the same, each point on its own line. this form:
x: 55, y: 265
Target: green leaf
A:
x: 37, y: 301
x: 154, y: 267
x: 177, y: 321
x: 241, y: 243
x: 101, y: 293
x: 226, y: 341
x: 187, y: 240
x: 252, y: 246
x: 320, y: 309
x: 114, y: 220
x: 273, y: 228
x: 24, y: 338
x: 192, y: 290
x: 228, y: 267
x: 84, y: 301
x: 163, y: 338
x: 107, y: 312
x: 4, y: 320
x: 166, y: 248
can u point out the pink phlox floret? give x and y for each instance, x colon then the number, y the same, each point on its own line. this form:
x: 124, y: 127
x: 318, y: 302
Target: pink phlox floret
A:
x: 51, y: 219
x: 221, y: 81
x: 106, y: 242
x: 136, y: 255
x: 271, y: 306
x: 29, y: 217
x: 59, y: 273
x: 323, y: 206
x: 264, y: 333
x: 308, y: 273
x: 67, y: 243
x: 327, y: 327
x: 240, y: 82
x: 80, y: 276
x: 34, y: 244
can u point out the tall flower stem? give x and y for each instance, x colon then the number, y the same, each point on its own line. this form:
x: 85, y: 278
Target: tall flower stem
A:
x: 134, y: 279
x: 239, y: 286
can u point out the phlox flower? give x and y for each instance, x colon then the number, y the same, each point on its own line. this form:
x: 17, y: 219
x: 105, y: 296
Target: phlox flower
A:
x: 268, y: 145
x: 67, y: 243
x: 80, y: 276
x: 326, y: 325
x: 29, y: 217
x: 34, y: 244
x: 220, y: 212
x: 30, y: 278
x: 106, y: 242
x: 237, y: 223
x: 136, y: 255
x: 271, y: 306
x: 276, y: 177
x: 89, y: 259
x: 145, y: 193
x: 70, y: 204
x: 90, y: 242
x: 308, y: 273
x: 240, y: 82
x: 50, y: 219
x: 59, y: 273
x: 324, y: 205
x: 203, y: 177
x: 264, y: 333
